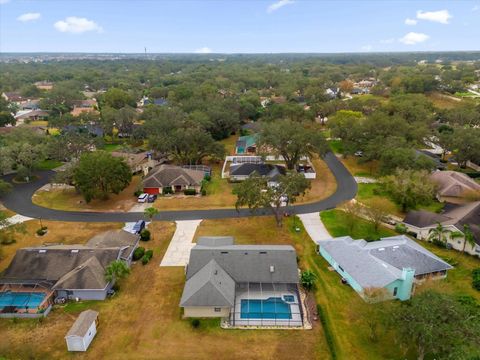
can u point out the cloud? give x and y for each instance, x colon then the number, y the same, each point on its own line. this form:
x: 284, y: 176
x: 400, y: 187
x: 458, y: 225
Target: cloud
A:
x: 387, y: 41
x: 409, y: 21
x: 29, y: 17
x: 77, y: 25
x: 279, y: 4
x: 4, y: 1
x: 441, y: 16
x: 476, y: 8
x: 203, y: 50
x: 413, y: 38
x: 367, y: 47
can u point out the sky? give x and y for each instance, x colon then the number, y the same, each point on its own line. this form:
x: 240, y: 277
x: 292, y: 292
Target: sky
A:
x: 242, y: 26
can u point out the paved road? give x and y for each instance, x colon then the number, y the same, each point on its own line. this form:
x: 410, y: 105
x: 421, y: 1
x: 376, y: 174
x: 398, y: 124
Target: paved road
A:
x: 20, y: 201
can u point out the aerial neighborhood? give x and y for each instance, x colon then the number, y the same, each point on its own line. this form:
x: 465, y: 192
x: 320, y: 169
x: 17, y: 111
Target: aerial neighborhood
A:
x: 199, y: 205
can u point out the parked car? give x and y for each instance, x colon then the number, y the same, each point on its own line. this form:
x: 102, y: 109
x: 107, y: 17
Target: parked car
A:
x: 152, y: 198
x: 359, y: 153
x: 139, y: 226
x: 143, y: 198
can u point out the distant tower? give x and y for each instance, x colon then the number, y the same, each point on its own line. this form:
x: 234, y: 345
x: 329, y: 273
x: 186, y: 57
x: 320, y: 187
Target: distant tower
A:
x: 145, y: 51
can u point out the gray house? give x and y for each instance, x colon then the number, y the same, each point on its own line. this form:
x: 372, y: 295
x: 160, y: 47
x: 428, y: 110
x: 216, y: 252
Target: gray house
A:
x: 240, y: 172
x: 38, y: 275
x: 243, y: 284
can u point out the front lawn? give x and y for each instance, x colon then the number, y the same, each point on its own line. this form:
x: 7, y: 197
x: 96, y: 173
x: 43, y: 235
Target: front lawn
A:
x: 48, y: 164
x: 335, y: 222
x: 71, y: 200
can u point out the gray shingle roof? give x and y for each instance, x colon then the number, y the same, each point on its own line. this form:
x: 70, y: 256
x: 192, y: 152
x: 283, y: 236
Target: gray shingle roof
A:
x: 210, y: 286
x: 248, y: 263
x: 169, y: 175
x: 378, y: 263
x: 215, y: 240
x: 83, y: 323
x: 454, y: 183
x: 115, y: 238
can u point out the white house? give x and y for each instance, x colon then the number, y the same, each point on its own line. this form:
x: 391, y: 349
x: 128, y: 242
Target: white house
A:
x: 82, y: 331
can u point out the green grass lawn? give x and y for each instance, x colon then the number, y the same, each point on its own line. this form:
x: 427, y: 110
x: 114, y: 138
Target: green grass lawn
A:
x: 335, y: 223
x: 48, y: 164
x: 112, y: 147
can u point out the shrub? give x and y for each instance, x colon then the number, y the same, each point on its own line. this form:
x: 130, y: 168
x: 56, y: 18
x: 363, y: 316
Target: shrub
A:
x: 476, y: 279
x: 401, y: 228
x: 308, y: 279
x: 146, y: 258
x: 138, y: 253
x: 450, y: 260
x: 204, y: 192
x: 190, y: 192
x: 328, y: 332
x: 167, y: 190
x: 42, y: 231
x: 145, y: 235
x: 207, y: 177
x: 138, y: 193
x: 195, y: 323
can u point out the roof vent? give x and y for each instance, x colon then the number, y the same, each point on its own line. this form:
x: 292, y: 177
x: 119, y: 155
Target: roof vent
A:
x: 272, y: 268
x: 263, y: 252
x: 224, y: 252
x: 215, y: 272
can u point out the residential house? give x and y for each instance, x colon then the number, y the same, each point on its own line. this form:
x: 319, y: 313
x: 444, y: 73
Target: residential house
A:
x: 44, y: 85
x: 39, y: 276
x: 83, y: 106
x: 243, y: 284
x: 30, y: 115
x: 454, y: 186
x: 33, y: 104
x: 82, y: 331
x: 246, y: 145
x: 14, y: 97
x: 141, y: 162
x: 385, y: 269
x: 93, y: 130
x: 452, y: 218
x: 332, y: 92
x: 241, y: 172
x: 169, y: 178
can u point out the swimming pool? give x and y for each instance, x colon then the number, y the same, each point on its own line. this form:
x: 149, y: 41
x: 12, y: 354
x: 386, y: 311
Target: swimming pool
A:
x: 21, y: 299
x: 271, y: 308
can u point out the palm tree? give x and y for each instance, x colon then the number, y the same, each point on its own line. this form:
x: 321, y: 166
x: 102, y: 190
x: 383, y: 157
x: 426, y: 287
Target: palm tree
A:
x: 437, y: 234
x: 467, y: 237
x: 150, y: 213
x: 307, y: 279
x: 117, y: 269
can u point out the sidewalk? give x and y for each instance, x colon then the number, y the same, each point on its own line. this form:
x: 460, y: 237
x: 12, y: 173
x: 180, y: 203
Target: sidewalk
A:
x: 17, y: 219
x: 178, y: 252
x: 314, y: 226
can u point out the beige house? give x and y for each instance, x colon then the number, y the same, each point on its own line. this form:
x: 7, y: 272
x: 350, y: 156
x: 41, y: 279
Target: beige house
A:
x: 44, y: 85
x: 173, y: 178
x: 138, y: 163
x: 454, y: 186
x: 82, y: 106
x: 453, y: 219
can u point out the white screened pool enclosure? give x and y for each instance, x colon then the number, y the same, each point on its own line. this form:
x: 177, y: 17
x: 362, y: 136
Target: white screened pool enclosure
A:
x: 266, y: 304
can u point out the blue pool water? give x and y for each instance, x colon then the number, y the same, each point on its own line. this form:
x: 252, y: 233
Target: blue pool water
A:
x: 21, y: 299
x: 271, y: 308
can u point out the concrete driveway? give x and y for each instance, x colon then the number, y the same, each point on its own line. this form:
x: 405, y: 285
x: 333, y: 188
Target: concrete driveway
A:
x: 178, y: 252
x: 314, y: 226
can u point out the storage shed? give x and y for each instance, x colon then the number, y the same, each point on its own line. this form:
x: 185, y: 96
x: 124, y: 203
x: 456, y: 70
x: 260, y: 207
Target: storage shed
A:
x: 82, y: 331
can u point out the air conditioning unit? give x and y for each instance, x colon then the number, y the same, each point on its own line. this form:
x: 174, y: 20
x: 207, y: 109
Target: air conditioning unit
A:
x: 272, y: 268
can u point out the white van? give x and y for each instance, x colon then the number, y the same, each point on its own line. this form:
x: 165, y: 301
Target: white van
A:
x: 143, y: 198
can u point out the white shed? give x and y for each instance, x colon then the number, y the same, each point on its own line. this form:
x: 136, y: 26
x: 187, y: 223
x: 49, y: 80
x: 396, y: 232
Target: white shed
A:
x: 82, y: 331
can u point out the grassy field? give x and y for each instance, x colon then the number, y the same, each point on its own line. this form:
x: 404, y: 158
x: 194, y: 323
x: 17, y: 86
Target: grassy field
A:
x: 48, y: 164
x: 334, y: 221
x: 443, y: 101
x: 70, y: 200
x: 357, y: 168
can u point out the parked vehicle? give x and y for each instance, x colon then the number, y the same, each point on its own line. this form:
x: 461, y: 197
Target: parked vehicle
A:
x: 152, y: 198
x: 143, y: 198
x: 139, y: 226
x: 359, y: 153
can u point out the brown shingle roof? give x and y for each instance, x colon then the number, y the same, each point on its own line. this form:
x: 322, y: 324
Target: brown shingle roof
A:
x: 453, y: 183
x: 169, y: 175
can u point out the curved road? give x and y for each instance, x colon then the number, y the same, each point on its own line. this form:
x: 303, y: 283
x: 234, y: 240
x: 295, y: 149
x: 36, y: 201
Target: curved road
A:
x: 20, y: 201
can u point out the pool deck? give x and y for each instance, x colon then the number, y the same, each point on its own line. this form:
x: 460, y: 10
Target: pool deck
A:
x: 235, y: 316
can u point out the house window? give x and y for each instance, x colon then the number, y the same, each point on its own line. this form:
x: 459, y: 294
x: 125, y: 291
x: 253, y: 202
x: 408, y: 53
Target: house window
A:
x: 217, y: 309
x: 395, y: 290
